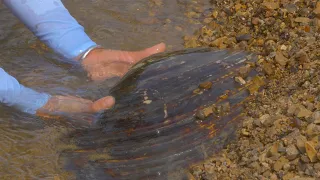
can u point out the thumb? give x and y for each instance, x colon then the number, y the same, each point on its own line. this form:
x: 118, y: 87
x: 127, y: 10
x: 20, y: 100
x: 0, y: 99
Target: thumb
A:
x: 103, y: 103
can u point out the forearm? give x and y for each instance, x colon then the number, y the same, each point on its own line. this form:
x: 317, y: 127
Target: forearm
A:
x: 51, y: 22
x: 12, y: 93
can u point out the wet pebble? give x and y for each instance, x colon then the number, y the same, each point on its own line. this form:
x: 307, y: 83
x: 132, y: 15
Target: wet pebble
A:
x: 244, y: 37
x: 292, y: 152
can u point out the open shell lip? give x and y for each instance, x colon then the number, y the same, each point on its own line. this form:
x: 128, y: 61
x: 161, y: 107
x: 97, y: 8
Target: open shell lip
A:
x: 161, y: 56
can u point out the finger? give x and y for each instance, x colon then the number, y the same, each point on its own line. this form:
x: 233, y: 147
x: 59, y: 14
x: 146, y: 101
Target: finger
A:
x: 110, y: 70
x: 103, y: 103
x: 135, y: 56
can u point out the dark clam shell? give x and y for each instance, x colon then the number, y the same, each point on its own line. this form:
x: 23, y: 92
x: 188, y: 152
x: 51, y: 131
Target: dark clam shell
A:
x: 160, y: 122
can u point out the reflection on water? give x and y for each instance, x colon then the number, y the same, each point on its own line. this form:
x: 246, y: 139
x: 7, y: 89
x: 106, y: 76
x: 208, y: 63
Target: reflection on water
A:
x: 28, y: 146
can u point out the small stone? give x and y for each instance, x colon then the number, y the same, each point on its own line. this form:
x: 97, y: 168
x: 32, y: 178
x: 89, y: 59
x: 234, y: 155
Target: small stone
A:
x: 302, y: 57
x: 257, y: 122
x: 243, y: 45
x: 311, y: 151
x: 260, y: 42
x: 240, y: 80
x: 210, y: 168
x: 286, y: 167
x: 304, y: 159
x: 255, y: 21
x: 200, y: 115
x: 280, y: 59
x: 278, y: 165
x: 288, y: 176
x: 283, y: 47
x: 215, y: 14
x: 292, y: 152
x: 309, y: 170
x: 262, y: 158
x: 312, y: 130
x: 291, y: 8
x: 273, y: 150
x: 303, y: 20
x: 266, y: 173
x: 317, y: 9
x: 266, y: 120
x: 285, y: 36
x: 244, y: 71
x: 273, y: 177
x: 238, y: 6
x: 207, y: 20
x: 303, y: 112
x: 270, y: 5
x: 205, y: 85
x: 291, y: 109
x: 147, y: 101
x: 244, y: 37
x: 301, y: 143
x: 316, y: 117
x: 219, y: 42
x: 244, y: 132
x: 267, y: 68
x: 197, y: 91
x: 204, y: 113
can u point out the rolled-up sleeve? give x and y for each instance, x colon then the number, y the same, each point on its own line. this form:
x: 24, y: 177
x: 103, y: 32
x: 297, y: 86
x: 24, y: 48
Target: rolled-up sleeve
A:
x: 13, y: 94
x: 52, y: 23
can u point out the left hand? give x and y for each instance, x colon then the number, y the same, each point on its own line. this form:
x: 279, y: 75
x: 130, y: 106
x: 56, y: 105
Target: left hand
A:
x: 59, y: 106
x: 104, y: 63
x: 70, y: 104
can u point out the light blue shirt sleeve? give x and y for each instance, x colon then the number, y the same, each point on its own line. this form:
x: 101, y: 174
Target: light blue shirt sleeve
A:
x: 52, y: 23
x: 12, y: 93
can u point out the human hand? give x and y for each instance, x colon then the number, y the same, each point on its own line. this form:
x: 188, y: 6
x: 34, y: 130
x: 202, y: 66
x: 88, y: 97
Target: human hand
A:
x: 100, y: 64
x: 58, y: 105
x: 104, y: 63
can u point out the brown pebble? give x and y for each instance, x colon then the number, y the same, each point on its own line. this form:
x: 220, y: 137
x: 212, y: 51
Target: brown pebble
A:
x: 311, y: 151
x: 271, y: 5
x: 312, y: 130
x: 280, y: 59
x: 302, y: 57
x: 267, y: 68
x: 244, y: 71
x: 303, y: 112
x: 316, y: 117
x: 204, y: 113
x: 266, y: 120
x: 273, y: 150
x: 205, y: 85
x: 255, y: 21
x: 240, y: 80
x: 280, y: 163
x: 301, y: 143
x: 292, y: 152
x: 302, y: 20
x: 197, y: 91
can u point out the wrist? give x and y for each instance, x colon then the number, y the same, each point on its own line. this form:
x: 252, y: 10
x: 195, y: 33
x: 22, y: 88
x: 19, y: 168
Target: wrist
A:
x: 91, y: 50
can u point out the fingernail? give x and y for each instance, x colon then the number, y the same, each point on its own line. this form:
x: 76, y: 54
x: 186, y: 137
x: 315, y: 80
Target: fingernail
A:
x: 107, y: 103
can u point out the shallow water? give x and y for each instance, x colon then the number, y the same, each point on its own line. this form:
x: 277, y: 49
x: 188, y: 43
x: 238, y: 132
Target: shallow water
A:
x: 28, y: 145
